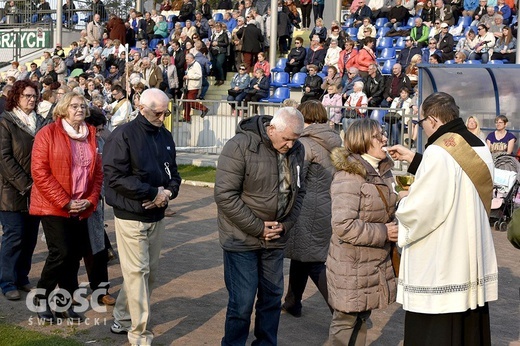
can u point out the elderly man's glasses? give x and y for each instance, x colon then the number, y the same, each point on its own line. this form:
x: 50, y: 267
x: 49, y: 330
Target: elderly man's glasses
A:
x: 30, y: 96
x: 420, y: 122
x: 166, y: 113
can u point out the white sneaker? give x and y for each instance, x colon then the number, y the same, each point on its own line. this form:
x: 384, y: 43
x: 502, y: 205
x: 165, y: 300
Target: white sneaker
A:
x: 116, y: 328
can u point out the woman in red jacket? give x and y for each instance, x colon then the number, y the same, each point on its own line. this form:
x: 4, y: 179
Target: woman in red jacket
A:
x: 366, y: 56
x: 67, y: 175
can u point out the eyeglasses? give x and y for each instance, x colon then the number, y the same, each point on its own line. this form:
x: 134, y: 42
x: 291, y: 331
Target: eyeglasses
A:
x: 380, y: 135
x: 420, y: 122
x: 75, y: 107
x: 166, y: 113
x: 30, y: 96
x: 481, y: 28
x: 242, y: 69
x: 437, y: 23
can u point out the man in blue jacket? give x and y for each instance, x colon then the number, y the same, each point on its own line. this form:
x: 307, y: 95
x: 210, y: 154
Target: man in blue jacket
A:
x: 140, y: 179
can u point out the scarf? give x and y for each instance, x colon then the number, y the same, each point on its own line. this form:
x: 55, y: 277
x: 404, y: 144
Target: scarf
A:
x: 28, y: 120
x: 81, y: 135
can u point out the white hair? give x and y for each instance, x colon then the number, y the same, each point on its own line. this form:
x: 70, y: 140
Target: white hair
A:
x: 288, y: 116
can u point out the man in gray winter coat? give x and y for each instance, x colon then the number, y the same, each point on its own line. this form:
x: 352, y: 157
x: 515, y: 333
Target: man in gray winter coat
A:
x: 259, y: 193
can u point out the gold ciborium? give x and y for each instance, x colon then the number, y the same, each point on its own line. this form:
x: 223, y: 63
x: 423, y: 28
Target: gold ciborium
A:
x: 404, y: 181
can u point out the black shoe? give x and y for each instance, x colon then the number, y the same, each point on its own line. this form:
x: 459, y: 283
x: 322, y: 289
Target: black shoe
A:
x: 292, y: 310
x: 204, y: 113
x: 46, y: 316
x: 72, y: 315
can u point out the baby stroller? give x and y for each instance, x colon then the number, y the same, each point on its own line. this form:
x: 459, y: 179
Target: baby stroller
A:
x: 505, y: 187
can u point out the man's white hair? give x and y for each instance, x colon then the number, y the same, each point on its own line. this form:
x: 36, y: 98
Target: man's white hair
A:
x: 288, y: 116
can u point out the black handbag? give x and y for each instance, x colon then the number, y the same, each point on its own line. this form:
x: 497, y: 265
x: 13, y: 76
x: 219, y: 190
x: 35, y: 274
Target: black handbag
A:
x: 234, y: 93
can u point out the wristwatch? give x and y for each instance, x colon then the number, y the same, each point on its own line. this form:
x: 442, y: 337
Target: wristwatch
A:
x: 168, y: 193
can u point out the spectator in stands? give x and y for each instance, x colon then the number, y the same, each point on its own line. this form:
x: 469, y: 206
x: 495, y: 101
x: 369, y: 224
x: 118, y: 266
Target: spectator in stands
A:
x: 160, y: 30
x: 12, y: 10
x: 151, y: 73
x: 397, y: 15
x: 365, y: 56
x: 179, y: 60
x: 120, y: 62
x: 420, y: 33
x: 43, y: 11
x: 335, y: 35
x: 374, y: 86
x: 257, y: 89
x: 239, y: 85
x: 13, y: 70
x: 50, y: 73
x: 90, y: 91
x: 95, y: 30
x: 501, y: 140
x: 347, y: 58
x: 435, y: 59
x: 400, y: 104
x: 225, y: 5
x: 482, y: 44
x: 306, y: 8
x: 59, y: 68
x: 165, y: 6
x: 412, y: 71
x: 187, y: 12
x: 205, y: 9
x: 445, y: 43
x: 34, y: 71
x: 351, y: 76
x: 24, y: 74
x: 362, y: 12
x: 230, y: 22
x: 47, y: 60
x: 489, y: 18
x: 444, y: 13
x: 333, y: 102
x: 503, y: 9
x: 355, y: 100
x: 333, y: 78
x: 430, y: 50
x: 189, y: 29
x: 460, y: 57
x: 394, y: 85
x: 193, y: 81
x: 237, y: 46
x: 116, y: 29
x: 219, y: 47
x: 319, y: 30
x: 408, y: 52
x: 252, y: 40
x: 473, y: 125
x: 312, y: 85
x: 318, y: 6
x: 263, y: 64
x: 134, y: 66
x: 293, y: 14
x: 477, y: 12
x: 505, y: 46
x: 146, y: 27
x: 118, y: 112
x: 315, y: 55
x: 366, y: 30
x: 296, y: 57
x: 284, y: 28
x: 332, y: 56
x: 134, y: 21
x: 428, y: 13
x: 496, y: 28
x: 203, y: 27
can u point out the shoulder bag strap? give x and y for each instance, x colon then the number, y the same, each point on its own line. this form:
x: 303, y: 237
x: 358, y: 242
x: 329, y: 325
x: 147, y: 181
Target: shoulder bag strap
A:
x: 471, y: 163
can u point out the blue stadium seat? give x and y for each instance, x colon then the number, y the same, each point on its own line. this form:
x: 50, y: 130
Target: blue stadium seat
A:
x: 380, y: 22
x: 384, y: 42
x: 465, y: 21
x: 378, y: 115
x: 399, y: 43
x: 352, y: 32
x: 153, y: 43
x: 496, y: 62
x: 381, y: 32
x: 473, y: 62
x: 279, y: 95
x: 348, y: 22
x: 280, y: 79
x: 410, y: 24
x: 297, y: 80
x: 280, y: 65
x: 449, y: 62
x: 218, y: 17
x: 386, y: 54
x: 322, y: 75
x: 387, y: 67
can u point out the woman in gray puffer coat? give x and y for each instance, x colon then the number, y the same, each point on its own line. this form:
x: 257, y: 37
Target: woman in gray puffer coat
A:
x: 308, y: 241
x: 360, y: 276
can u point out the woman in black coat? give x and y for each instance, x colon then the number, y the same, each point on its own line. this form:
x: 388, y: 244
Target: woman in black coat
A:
x: 219, y: 47
x: 258, y: 89
x: 312, y: 86
x: 18, y: 126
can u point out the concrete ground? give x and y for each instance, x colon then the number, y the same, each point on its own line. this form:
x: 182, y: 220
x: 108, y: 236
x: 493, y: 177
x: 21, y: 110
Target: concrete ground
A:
x: 189, y: 303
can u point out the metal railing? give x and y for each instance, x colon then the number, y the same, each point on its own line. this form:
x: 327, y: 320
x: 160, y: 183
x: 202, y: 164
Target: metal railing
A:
x: 208, y: 135
x: 19, y: 40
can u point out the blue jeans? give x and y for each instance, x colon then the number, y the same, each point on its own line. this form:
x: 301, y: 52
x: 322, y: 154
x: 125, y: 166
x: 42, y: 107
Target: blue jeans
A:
x: 205, y: 87
x: 247, y: 274
x: 18, y: 242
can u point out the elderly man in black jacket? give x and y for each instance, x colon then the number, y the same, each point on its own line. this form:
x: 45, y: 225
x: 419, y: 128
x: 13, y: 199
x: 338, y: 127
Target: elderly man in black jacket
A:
x: 140, y: 179
x: 312, y: 86
x: 374, y: 86
x: 259, y: 194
